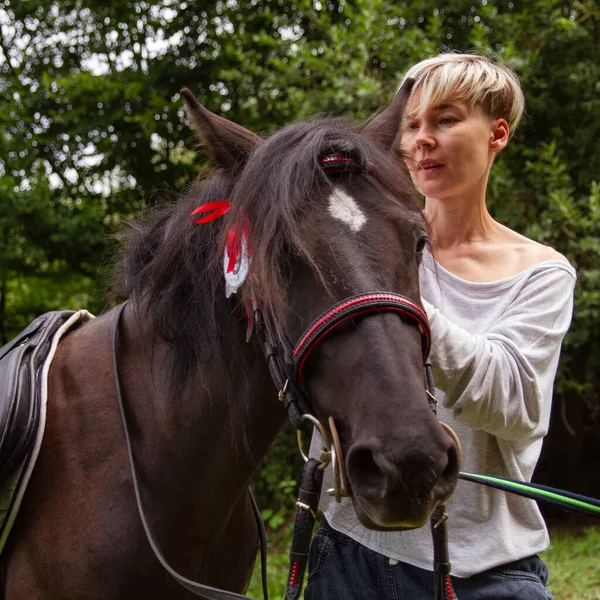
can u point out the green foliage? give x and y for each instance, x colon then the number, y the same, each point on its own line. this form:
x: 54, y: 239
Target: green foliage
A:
x: 573, y: 564
x: 92, y: 128
x: 278, y: 567
x: 277, y: 480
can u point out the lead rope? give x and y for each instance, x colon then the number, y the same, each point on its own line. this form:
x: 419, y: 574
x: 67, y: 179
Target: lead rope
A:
x: 441, y: 561
x: 442, y: 584
x: 308, y: 503
x: 198, y: 589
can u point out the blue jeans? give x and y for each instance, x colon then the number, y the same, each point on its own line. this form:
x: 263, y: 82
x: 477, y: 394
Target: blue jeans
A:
x: 341, y: 569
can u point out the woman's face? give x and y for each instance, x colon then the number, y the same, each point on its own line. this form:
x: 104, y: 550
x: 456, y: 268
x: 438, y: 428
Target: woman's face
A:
x: 450, y: 147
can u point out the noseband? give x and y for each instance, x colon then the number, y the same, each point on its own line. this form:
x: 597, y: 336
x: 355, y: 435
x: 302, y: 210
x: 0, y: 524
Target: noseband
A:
x: 354, y: 307
x: 286, y: 363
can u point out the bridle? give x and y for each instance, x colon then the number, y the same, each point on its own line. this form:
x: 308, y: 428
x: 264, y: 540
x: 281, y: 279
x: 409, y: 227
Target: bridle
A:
x: 286, y: 364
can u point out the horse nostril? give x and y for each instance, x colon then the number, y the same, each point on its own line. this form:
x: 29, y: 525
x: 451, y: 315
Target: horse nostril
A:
x: 453, y: 466
x: 363, y: 470
x: 456, y: 448
x: 449, y: 475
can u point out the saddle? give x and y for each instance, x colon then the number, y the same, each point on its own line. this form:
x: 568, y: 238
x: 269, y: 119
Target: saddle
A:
x: 21, y: 362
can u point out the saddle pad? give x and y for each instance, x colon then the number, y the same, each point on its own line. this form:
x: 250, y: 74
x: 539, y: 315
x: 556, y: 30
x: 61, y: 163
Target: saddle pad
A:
x: 15, y: 482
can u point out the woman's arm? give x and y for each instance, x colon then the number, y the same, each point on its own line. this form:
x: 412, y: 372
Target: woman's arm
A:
x: 502, y: 381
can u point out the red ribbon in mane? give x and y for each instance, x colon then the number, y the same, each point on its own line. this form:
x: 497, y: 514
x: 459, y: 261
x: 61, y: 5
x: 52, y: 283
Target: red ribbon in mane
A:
x: 233, y: 243
x: 214, y: 209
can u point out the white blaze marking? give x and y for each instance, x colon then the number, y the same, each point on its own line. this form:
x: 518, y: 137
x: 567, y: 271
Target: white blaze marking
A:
x: 344, y: 208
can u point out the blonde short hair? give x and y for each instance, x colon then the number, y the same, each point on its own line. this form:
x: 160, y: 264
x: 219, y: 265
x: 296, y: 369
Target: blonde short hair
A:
x: 473, y: 79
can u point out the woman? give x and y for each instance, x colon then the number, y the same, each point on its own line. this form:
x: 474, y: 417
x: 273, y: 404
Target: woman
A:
x: 499, y: 306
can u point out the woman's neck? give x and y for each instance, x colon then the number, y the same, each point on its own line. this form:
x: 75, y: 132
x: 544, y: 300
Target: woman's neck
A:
x: 459, y: 221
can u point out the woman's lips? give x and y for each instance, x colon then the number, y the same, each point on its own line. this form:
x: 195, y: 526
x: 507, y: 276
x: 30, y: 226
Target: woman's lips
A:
x: 429, y: 165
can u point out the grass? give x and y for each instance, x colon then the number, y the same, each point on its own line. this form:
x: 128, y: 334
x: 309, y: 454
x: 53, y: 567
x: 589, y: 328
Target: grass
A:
x: 573, y: 560
x: 278, y: 566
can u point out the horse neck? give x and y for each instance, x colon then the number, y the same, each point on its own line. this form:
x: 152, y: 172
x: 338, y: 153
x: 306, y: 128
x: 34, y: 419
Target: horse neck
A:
x: 212, y: 435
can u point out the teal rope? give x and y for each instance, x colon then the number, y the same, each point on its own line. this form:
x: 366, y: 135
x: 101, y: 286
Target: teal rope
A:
x: 568, y: 500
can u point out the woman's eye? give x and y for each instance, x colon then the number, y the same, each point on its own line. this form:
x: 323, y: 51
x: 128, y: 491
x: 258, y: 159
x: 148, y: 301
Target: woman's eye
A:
x: 447, y: 120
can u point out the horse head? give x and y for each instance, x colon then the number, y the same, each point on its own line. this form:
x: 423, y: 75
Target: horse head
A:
x: 328, y: 213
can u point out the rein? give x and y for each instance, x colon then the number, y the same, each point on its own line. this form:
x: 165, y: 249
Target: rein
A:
x: 201, y: 590
x: 310, y: 488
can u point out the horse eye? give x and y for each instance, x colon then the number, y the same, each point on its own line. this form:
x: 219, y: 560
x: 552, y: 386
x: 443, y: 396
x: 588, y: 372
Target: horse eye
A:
x: 423, y: 240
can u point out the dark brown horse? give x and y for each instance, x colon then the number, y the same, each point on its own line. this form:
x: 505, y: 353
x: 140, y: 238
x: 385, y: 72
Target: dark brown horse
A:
x: 201, y: 405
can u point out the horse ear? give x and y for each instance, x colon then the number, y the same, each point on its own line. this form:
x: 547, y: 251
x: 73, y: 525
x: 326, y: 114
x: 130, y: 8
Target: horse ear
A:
x: 384, y: 126
x: 225, y: 142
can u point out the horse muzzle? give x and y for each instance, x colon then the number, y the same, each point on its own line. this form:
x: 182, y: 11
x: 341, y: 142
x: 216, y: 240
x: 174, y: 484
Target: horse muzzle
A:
x: 398, y: 489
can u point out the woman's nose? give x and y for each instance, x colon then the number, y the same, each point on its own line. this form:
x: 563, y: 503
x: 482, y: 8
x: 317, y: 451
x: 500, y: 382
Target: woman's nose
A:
x: 424, y: 138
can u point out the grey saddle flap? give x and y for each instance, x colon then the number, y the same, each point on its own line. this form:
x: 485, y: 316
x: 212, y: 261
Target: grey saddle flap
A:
x: 20, y: 368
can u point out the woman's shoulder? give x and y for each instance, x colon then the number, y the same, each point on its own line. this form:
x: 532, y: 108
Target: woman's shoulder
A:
x: 527, y: 253
x: 501, y: 258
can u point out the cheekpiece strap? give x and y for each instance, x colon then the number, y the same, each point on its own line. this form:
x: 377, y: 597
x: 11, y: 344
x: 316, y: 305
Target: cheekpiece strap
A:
x: 430, y: 387
x: 281, y: 373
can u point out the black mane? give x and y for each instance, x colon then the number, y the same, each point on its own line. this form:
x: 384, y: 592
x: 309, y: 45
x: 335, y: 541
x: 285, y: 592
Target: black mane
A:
x: 173, y: 269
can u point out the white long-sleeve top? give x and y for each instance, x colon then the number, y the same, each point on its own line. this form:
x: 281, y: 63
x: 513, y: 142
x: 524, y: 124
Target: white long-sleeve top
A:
x: 495, y: 351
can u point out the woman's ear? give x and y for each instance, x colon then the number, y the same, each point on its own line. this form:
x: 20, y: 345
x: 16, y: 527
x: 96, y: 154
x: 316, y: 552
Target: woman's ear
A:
x: 500, y: 135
